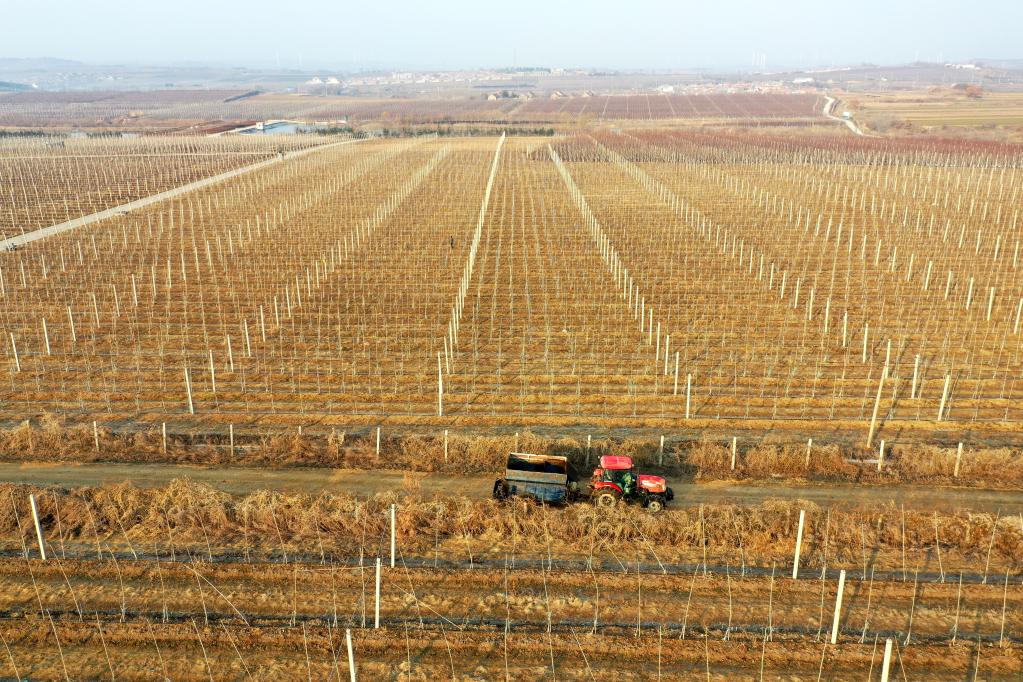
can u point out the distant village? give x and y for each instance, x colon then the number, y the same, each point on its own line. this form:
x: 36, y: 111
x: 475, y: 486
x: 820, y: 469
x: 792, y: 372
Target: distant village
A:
x: 509, y: 84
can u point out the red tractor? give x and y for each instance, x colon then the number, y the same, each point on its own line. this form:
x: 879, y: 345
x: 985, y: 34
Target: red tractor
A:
x: 615, y: 480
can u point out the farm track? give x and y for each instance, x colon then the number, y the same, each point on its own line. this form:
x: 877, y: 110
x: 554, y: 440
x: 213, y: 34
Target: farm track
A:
x: 240, y: 480
x: 829, y: 112
x: 459, y: 621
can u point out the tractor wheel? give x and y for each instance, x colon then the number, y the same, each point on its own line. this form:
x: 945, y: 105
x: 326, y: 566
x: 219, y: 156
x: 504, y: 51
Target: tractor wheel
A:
x: 500, y: 490
x: 655, y: 505
x: 606, y: 500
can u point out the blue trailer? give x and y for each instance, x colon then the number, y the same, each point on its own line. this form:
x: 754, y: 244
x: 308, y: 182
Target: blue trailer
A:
x: 545, y: 478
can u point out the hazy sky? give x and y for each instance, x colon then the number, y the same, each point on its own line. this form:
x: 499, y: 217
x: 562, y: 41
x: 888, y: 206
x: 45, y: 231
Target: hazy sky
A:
x: 464, y: 33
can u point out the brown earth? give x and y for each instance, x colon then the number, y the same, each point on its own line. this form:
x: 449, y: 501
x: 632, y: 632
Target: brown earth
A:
x: 201, y: 621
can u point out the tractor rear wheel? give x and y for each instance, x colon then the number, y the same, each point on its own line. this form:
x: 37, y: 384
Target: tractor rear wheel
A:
x: 655, y: 505
x: 606, y: 499
x: 500, y: 490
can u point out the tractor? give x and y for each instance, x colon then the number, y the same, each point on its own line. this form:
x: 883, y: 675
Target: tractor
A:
x: 615, y: 480
x: 551, y: 480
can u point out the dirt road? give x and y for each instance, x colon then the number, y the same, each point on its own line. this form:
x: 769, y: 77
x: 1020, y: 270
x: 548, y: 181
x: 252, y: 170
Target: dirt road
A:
x: 829, y: 105
x: 240, y: 480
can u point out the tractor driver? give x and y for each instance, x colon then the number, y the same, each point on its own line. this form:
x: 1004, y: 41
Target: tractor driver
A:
x: 628, y: 483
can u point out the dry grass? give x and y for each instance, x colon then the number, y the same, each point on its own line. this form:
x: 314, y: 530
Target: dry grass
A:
x: 705, y: 460
x: 187, y: 513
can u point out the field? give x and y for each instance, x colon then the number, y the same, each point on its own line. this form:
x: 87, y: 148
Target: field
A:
x: 159, y: 109
x: 181, y: 111
x: 495, y: 282
x: 945, y: 110
x: 578, y: 108
x: 266, y: 584
x: 50, y: 180
x: 815, y: 337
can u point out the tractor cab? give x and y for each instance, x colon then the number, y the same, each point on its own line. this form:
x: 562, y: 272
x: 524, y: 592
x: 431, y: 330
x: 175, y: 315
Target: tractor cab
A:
x: 615, y: 473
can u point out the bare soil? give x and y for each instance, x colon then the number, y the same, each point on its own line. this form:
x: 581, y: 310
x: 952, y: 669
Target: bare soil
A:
x: 365, y: 483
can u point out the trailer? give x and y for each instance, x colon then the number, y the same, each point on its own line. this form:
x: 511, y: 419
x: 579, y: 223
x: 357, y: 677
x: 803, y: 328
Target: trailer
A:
x: 545, y: 478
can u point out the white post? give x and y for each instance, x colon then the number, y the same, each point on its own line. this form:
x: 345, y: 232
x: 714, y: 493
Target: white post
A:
x: 799, y: 544
x: 376, y: 607
x: 880, y: 456
x: 39, y: 528
x: 14, y: 348
x: 838, y: 607
x: 378, y: 441
x: 735, y: 443
x: 188, y: 390
x: 877, y: 405
x: 916, y: 374
x: 959, y: 457
x: 95, y: 435
x: 230, y: 434
x: 445, y: 445
x: 689, y: 392
x: 440, y: 388
x: 887, y: 663
x: 944, y: 397
x: 213, y: 374
x: 392, y: 534
x: 676, y: 374
x: 163, y: 428
x: 46, y: 338
x: 351, y: 654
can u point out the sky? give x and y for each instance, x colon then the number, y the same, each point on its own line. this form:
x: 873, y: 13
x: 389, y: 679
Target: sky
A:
x: 451, y: 34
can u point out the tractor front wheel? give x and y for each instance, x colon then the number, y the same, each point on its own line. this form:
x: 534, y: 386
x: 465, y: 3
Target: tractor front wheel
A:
x: 655, y: 505
x: 607, y: 500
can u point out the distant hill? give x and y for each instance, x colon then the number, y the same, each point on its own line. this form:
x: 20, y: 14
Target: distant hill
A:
x: 37, y: 64
x: 6, y: 86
